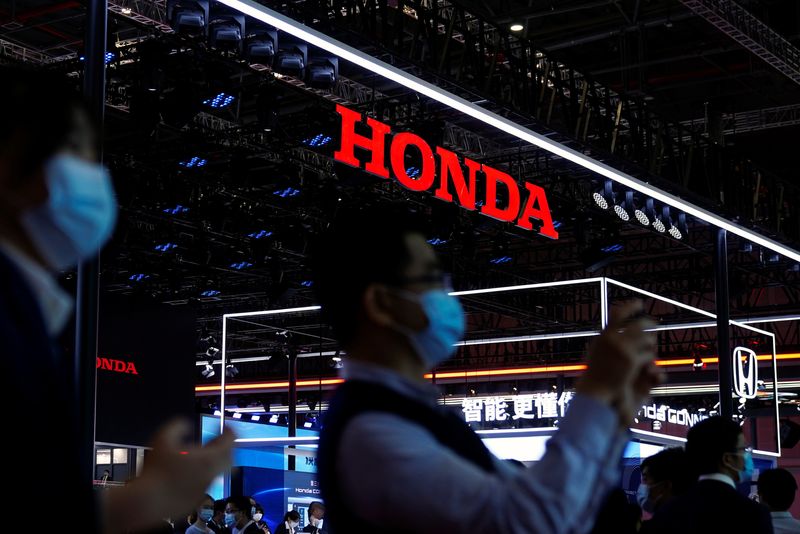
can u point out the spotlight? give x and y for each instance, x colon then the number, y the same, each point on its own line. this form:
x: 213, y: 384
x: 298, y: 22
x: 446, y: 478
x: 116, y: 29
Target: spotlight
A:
x: 622, y: 208
x: 437, y: 241
x: 193, y: 162
x: 255, y: 418
x: 647, y: 215
x: 138, y: 277
x: 516, y: 27
x: 219, y: 101
x: 698, y: 364
x: 413, y: 172
x: 231, y: 371
x: 273, y: 419
x: 288, y: 192
x: 662, y: 223
x: 166, y: 247
x: 292, y: 58
x: 678, y: 230
x: 241, y: 265
x: 261, y: 234
x: 318, y: 140
x: 323, y: 71
x: 336, y: 361
x: 176, y: 210
x: 212, y: 352
x: 605, y: 197
x: 226, y: 30
x: 307, y: 283
x: 188, y: 16
x: 209, y: 293
x: 208, y: 371
x: 126, y: 11
x: 261, y: 45
x: 237, y: 415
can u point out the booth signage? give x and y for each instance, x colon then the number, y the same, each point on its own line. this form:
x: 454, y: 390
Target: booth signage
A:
x: 664, y: 413
x: 534, y: 406
x: 449, y: 171
x: 117, y: 366
x: 745, y: 373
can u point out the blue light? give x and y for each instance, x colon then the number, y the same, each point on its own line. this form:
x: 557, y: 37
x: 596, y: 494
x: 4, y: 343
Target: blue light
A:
x: 501, y: 259
x: 612, y: 248
x: 260, y: 234
x: 288, y: 192
x: 220, y: 101
x: 557, y: 224
x: 110, y: 56
x: 436, y: 241
x: 307, y: 283
x: 176, y: 210
x: 166, y: 247
x: 138, y: 277
x: 480, y: 203
x: 241, y: 265
x: 413, y: 172
x: 318, y: 140
x: 209, y: 293
x: 194, y: 162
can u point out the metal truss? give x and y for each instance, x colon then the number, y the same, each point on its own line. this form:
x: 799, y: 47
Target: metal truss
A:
x: 755, y: 120
x: 18, y: 52
x: 744, y: 28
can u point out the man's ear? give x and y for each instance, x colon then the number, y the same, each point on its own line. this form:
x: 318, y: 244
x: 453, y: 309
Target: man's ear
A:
x: 376, y: 305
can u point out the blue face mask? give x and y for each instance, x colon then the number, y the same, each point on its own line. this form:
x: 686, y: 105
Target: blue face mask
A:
x: 206, y: 514
x: 644, y: 500
x: 230, y: 520
x: 78, y: 216
x: 746, y: 473
x: 445, y: 327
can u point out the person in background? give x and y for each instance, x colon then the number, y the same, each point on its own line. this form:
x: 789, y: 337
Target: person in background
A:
x: 290, y: 522
x: 202, y: 516
x: 617, y: 515
x: 316, y: 513
x: 258, y: 517
x: 389, y: 452
x: 239, y: 517
x: 217, y: 523
x: 716, y: 450
x: 665, y: 475
x: 776, y: 491
x: 57, y: 208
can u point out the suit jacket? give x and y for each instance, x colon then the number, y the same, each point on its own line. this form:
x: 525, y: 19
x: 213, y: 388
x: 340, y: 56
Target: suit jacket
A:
x: 37, y: 382
x: 711, y: 506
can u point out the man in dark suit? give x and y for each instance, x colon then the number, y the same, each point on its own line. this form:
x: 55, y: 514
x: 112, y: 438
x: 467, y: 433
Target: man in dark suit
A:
x: 716, y: 449
x: 57, y: 208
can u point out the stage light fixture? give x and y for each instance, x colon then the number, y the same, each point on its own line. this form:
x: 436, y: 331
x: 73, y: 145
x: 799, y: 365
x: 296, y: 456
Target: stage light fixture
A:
x: 413, y: 172
x: 307, y: 283
x: 647, y: 215
x: 322, y: 71
x: 188, y: 16
x: 208, y: 371
x: 220, y: 100
x: 292, y: 58
x: 318, y: 140
x: 605, y: 197
x: 517, y: 27
x: 698, y: 364
x: 261, y: 234
x: 176, y: 210
x: 273, y: 419
x: 138, y: 277
x: 231, y: 371
x: 193, y: 162
x: 500, y: 260
x: 166, y: 247
x: 255, y: 418
x: 226, y: 29
x: 261, y: 45
x: 239, y: 266
x: 237, y: 415
x: 209, y: 293
x: 623, y: 208
x: 437, y: 241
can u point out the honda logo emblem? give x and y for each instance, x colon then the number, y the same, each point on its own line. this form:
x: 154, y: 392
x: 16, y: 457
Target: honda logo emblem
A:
x: 745, y: 373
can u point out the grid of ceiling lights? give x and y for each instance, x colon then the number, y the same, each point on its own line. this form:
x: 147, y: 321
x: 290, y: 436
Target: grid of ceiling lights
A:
x: 645, y: 215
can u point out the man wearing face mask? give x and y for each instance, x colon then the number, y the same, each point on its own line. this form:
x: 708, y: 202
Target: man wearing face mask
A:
x: 665, y: 475
x: 717, y: 451
x: 316, y: 512
x: 239, y: 516
x: 58, y: 209
x: 389, y: 454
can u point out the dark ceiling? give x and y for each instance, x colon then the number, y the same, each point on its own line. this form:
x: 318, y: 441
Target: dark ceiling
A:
x: 645, y: 85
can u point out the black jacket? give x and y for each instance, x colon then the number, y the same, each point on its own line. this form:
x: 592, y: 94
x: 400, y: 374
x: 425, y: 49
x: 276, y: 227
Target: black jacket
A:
x: 711, y: 506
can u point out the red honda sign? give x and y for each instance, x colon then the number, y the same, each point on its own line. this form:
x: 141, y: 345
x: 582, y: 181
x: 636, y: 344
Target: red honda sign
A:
x: 449, y: 170
x: 118, y: 366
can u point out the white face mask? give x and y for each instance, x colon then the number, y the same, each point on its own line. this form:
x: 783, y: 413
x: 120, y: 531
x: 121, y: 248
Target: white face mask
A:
x: 293, y: 524
x: 79, y: 215
x: 257, y: 516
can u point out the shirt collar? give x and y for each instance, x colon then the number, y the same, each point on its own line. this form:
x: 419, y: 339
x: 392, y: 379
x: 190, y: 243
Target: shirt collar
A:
x: 719, y: 477
x: 55, y: 304
x: 355, y: 370
x: 786, y: 513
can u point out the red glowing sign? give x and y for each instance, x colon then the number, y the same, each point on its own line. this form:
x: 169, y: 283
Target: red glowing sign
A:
x: 117, y: 366
x: 449, y: 171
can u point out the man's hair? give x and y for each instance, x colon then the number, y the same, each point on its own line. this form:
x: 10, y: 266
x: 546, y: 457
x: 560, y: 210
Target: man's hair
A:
x: 777, y: 487
x: 314, y: 505
x: 242, y: 503
x: 219, y: 506
x: 292, y: 515
x: 40, y: 104
x: 708, y: 441
x: 670, y: 465
x: 359, y: 249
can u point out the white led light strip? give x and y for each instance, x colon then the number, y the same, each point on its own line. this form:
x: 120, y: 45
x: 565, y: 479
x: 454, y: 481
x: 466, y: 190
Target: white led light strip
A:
x: 320, y: 40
